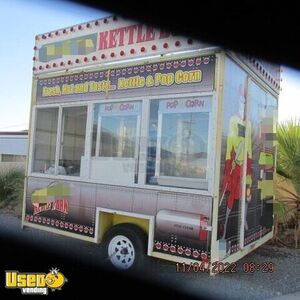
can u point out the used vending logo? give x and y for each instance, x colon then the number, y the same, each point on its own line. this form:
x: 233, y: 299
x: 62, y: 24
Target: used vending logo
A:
x: 35, y: 283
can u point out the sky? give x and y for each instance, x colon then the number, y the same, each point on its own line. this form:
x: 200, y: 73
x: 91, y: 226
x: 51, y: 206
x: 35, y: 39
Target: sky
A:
x: 21, y: 20
x: 289, y: 97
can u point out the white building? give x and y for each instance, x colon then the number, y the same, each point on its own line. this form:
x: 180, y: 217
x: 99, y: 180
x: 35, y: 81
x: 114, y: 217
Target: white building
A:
x: 13, y: 149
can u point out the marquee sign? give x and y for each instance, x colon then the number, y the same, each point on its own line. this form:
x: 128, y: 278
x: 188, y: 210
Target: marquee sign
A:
x: 101, y: 41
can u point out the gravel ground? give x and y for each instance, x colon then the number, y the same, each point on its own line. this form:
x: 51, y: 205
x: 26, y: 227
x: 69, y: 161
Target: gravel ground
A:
x: 240, y: 285
x: 284, y: 280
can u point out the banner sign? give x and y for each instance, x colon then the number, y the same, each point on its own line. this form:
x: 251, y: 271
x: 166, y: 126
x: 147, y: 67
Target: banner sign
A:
x: 196, y: 71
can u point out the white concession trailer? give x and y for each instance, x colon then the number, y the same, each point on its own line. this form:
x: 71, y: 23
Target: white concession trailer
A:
x: 151, y: 143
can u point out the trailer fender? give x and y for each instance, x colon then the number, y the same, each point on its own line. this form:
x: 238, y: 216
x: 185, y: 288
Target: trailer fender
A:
x: 107, y: 218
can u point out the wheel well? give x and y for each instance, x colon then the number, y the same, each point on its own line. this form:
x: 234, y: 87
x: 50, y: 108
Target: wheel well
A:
x: 107, y: 220
x: 129, y: 226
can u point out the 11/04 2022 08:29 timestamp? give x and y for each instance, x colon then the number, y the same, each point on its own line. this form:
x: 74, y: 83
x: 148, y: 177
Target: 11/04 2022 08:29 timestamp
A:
x: 224, y: 267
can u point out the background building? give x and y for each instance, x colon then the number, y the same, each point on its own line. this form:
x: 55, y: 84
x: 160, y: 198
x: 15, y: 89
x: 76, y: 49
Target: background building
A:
x: 13, y: 150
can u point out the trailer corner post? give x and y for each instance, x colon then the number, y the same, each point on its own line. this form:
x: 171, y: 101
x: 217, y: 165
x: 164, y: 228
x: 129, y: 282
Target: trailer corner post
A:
x: 243, y: 196
x: 219, y: 86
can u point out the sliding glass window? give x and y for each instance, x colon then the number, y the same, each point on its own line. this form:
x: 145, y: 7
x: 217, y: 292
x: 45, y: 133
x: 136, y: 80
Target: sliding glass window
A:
x: 45, y: 140
x: 72, y: 140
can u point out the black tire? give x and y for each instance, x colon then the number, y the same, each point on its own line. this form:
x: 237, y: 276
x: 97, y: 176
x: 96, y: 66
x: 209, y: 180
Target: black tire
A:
x: 138, y: 240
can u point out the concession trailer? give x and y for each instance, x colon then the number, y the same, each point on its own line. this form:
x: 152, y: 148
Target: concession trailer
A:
x: 151, y: 143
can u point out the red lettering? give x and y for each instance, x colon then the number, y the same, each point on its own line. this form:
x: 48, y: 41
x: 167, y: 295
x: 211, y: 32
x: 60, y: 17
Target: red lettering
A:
x: 108, y: 107
x: 128, y: 35
x: 150, y: 34
x: 121, y: 36
x: 103, y: 40
x: 194, y: 103
x: 130, y: 30
x: 172, y: 104
x: 164, y: 34
x: 61, y: 205
x: 126, y: 106
x: 112, y: 39
x: 140, y: 35
x: 66, y: 206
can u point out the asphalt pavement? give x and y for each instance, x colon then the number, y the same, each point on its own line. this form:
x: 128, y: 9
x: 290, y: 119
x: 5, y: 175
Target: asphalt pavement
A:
x: 82, y: 263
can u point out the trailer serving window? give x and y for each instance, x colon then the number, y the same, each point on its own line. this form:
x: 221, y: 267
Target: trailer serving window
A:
x: 115, y: 143
x: 72, y: 139
x: 45, y: 139
x: 179, y: 142
x: 64, y: 158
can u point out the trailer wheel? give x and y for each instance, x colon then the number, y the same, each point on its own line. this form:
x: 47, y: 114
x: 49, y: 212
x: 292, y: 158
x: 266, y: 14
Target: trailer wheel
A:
x: 125, y: 246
